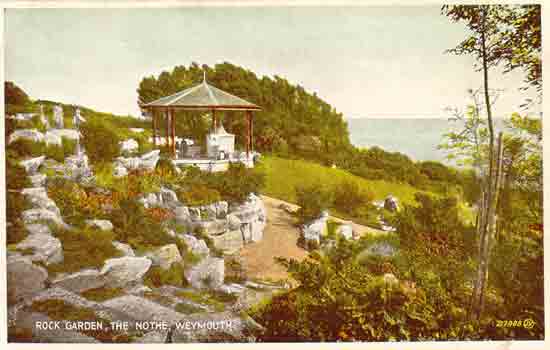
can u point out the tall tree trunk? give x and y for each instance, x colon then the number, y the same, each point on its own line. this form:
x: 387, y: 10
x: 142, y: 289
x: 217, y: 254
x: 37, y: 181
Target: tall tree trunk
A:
x: 485, y: 233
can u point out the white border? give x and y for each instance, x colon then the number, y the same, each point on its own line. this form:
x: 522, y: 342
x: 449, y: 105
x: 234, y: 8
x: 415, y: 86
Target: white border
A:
x: 275, y: 346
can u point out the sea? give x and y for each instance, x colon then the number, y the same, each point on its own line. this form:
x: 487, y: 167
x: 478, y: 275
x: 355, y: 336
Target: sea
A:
x: 417, y: 138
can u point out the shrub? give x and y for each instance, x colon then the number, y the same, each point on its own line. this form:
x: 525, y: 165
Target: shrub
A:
x: 85, y: 247
x: 134, y: 226
x: 312, y: 199
x: 349, y: 197
x: 102, y: 293
x: 100, y: 141
x: 74, y: 202
x: 157, y: 277
x: 15, y: 204
x: 199, y: 195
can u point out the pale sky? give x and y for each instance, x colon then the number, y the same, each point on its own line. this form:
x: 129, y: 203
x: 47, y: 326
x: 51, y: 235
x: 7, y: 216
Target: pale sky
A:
x: 365, y: 61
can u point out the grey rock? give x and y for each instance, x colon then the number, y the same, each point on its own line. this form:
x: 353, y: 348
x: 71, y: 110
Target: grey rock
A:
x: 209, y: 273
x: 195, y: 214
x: 345, y: 230
x: 31, y: 165
x: 119, y: 272
x: 165, y: 256
x: 33, y: 215
x: 38, y: 229
x: 70, y: 134
x: 229, y: 242
x: 211, y: 227
x: 126, y: 249
x: 28, y: 320
x: 24, y: 278
x: 52, y: 138
x: 169, y: 197
x: 38, y: 180
x: 129, y: 146
x: 46, y: 248
x: 149, y: 160
x: 119, y: 171
x: 182, y: 215
x: 27, y: 134
x: 38, y: 198
x: 143, y: 309
x: 233, y: 222
x: 197, y: 246
x: 80, y: 281
x: 104, y: 225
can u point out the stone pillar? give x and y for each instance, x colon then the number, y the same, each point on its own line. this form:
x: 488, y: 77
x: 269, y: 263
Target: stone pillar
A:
x: 58, y: 117
x: 76, y: 123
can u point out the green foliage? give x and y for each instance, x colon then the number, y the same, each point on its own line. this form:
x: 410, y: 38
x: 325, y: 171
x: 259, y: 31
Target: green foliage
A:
x: 100, y: 141
x: 156, y: 276
x: 23, y: 148
x: 312, y: 200
x: 134, y: 226
x: 73, y: 201
x: 350, y: 198
x: 199, y: 195
x: 187, y: 309
x: 215, y: 299
x: 102, y: 293
x: 15, y: 204
x: 83, y: 248
x: 14, y: 95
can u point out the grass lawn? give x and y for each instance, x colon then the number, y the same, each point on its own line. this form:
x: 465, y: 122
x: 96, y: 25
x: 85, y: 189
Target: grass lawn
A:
x: 282, y: 176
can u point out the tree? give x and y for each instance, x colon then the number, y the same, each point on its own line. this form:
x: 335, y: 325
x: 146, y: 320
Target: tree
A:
x: 15, y: 95
x: 483, y: 22
x: 499, y: 34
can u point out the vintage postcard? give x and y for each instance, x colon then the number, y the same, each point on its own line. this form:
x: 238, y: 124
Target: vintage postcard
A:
x: 263, y: 174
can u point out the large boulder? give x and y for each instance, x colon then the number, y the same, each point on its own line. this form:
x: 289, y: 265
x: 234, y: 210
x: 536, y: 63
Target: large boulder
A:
x: 233, y: 222
x: 80, y: 281
x: 211, y: 227
x: 104, y: 225
x: 345, y: 230
x: 119, y: 171
x: 77, y: 169
x: 38, y: 180
x: 209, y: 273
x: 182, y: 215
x: 128, y: 146
x: 118, y: 272
x: 165, y: 256
x: 169, y: 198
x: 149, y: 160
x: 197, y: 246
x: 70, y: 134
x: 150, y: 200
x: 143, y: 309
x: 30, y: 216
x: 26, y: 134
x: 124, y: 248
x: 24, y: 278
x: 31, y: 165
x: 38, y: 198
x: 46, y: 248
x: 312, y: 232
x: 38, y: 229
x: 52, y: 138
x: 229, y: 242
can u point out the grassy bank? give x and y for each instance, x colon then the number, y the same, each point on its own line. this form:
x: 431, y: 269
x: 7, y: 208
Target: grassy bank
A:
x: 282, y: 176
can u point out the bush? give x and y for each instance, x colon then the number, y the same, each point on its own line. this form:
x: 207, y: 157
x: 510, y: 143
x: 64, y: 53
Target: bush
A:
x: 157, y: 277
x: 199, y: 195
x: 237, y: 182
x: 83, y: 248
x: 312, y: 199
x: 349, y: 197
x: 134, y: 226
x: 100, y: 141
